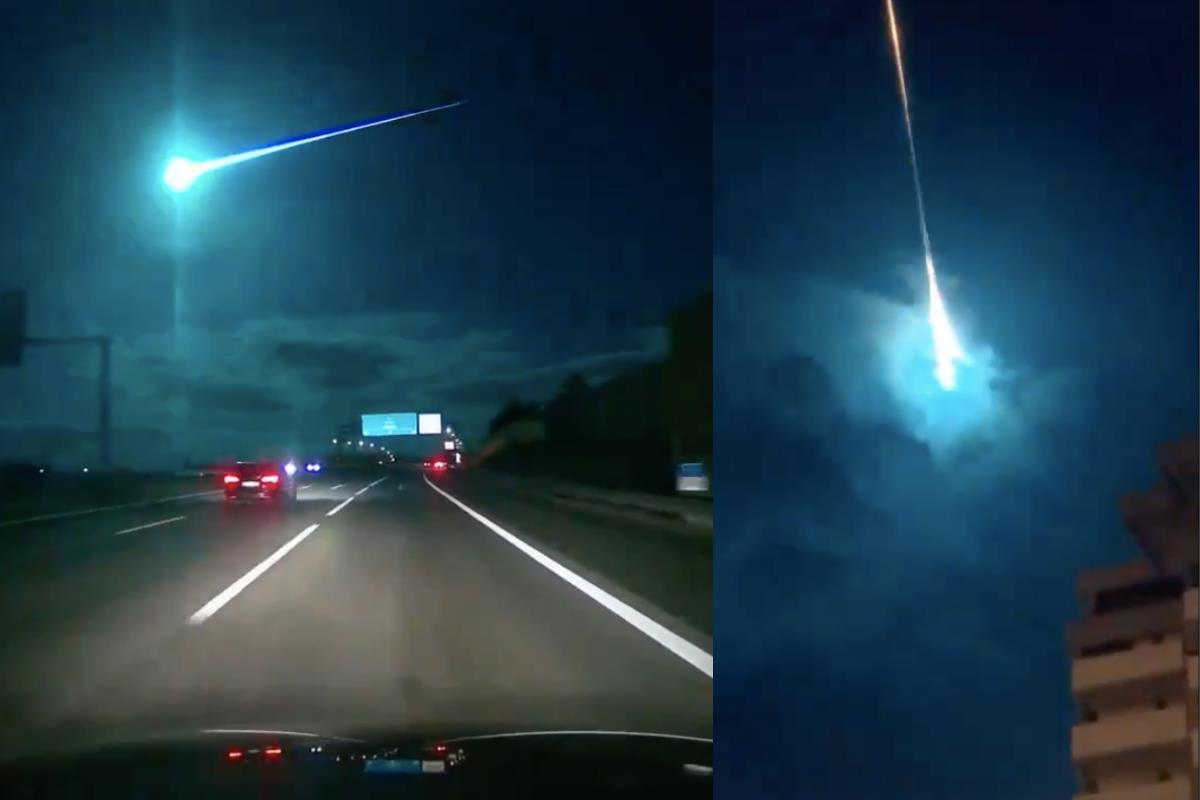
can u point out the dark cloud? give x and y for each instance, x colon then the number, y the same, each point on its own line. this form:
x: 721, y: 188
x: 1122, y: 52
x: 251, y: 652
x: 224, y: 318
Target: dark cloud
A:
x: 539, y: 383
x: 335, y: 365
x: 271, y: 383
x: 875, y: 568
x: 235, y: 398
x: 534, y: 225
x: 59, y: 444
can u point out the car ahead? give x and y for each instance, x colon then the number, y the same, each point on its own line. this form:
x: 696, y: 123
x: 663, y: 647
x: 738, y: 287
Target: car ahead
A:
x: 437, y: 465
x: 260, y: 481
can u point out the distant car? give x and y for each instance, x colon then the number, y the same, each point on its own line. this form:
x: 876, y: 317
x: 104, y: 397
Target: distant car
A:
x: 260, y: 481
x: 436, y: 465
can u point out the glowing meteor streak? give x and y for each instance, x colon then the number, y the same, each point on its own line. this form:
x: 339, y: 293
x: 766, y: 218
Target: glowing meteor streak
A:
x: 181, y: 172
x: 946, y: 347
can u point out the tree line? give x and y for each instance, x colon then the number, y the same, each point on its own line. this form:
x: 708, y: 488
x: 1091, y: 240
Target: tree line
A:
x: 628, y: 431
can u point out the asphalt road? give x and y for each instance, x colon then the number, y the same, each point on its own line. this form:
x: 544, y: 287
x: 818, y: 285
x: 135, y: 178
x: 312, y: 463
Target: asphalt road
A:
x: 402, y: 609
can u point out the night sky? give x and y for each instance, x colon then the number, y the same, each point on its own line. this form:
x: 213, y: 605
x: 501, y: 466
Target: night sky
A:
x: 442, y: 264
x: 895, y: 566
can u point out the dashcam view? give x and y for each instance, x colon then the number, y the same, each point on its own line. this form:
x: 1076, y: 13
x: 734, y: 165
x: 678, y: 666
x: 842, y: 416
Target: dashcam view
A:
x: 356, y: 398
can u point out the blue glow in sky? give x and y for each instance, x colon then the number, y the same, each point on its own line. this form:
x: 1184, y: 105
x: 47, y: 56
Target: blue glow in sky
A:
x: 941, y: 418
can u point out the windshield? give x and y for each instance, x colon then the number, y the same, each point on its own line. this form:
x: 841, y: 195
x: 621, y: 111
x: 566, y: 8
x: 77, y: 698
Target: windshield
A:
x: 351, y: 365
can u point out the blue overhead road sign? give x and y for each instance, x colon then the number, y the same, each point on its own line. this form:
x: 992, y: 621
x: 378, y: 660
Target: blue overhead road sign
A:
x: 389, y: 424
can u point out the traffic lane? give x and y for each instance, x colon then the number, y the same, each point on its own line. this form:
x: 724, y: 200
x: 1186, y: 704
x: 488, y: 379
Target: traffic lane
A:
x: 49, y: 547
x: 58, y: 539
x: 402, y: 612
x: 663, y: 569
x: 66, y: 493
x: 71, y: 624
x: 120, y: 548
x: 20, y: 531
x: 111, y: 553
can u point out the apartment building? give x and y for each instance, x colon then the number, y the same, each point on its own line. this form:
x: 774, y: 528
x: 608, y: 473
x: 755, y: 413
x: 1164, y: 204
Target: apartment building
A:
x: 1134, y: 667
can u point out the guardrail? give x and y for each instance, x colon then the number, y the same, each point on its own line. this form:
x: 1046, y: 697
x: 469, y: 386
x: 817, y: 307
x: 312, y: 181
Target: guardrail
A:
x: 44, y: 493
x: 695, y: 512
x: 690, y: 511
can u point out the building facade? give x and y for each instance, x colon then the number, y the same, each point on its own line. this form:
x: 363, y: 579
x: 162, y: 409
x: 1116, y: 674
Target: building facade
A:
x: 1134, y: 656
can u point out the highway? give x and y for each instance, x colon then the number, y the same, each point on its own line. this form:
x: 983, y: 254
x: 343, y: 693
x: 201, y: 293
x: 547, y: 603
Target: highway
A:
x: 375, y: 602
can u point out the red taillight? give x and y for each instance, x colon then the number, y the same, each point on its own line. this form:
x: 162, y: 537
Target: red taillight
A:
x: 270, y: 479
x: 272, y: 752
x: 232, y: 479
x: 234, y: 755
x: 440, y: 749
x: 439, y: 465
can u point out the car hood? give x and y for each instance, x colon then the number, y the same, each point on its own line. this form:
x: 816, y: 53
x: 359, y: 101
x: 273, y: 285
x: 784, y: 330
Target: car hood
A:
x: 230, y: 761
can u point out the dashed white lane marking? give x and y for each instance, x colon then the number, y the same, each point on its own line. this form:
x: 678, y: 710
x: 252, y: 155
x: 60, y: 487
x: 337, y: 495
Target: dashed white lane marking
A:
x: 681, y: 647
x: 369, y: 485
x: 235, y: 588
x: 150, y: 525
x: 306, y: 486
x: 347, y: 501
x: 340, y: 485
x: 83, y: 511
x: 339, y: 506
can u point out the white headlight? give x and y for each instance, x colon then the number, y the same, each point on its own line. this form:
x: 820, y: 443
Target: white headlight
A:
x: 290, y: 469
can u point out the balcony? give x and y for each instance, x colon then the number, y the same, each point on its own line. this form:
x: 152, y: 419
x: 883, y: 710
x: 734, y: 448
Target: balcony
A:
x: 1153, y: 734
x: 1177, y: 789
x: 1191, y: 619
x: 1146, y: 667
x: 1144, y: 622
x: 1098, y: 579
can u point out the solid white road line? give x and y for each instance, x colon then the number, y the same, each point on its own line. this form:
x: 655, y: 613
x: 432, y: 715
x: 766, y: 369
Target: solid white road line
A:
x: 235, y: 588
x: 83, y: 511
x: 681, y: 647
x: 150, y: 525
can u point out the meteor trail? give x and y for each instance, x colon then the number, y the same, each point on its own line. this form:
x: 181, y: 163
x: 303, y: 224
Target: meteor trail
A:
x: 946, y: 347
x: 181, y: 172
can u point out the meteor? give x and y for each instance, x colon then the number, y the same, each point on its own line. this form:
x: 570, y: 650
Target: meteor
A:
x: 182, y: 172
x: 946, y: 347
